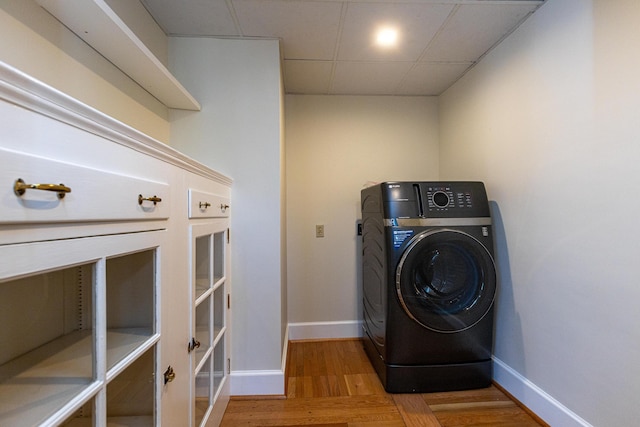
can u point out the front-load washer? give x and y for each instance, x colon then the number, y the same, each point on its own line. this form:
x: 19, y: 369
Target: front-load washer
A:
x: 429, y: 283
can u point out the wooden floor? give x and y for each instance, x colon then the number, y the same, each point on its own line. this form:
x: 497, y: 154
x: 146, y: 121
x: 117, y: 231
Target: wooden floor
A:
x: 332, y: 384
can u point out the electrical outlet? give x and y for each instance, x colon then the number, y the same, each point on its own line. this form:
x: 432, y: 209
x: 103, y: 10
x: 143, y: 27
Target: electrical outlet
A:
x: 320, y: 230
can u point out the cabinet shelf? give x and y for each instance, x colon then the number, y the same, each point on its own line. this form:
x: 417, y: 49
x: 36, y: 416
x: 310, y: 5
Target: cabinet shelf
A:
x: 135, y: 421
x: 101, y: 28
x: 39, y: 383
x: 123, y: 341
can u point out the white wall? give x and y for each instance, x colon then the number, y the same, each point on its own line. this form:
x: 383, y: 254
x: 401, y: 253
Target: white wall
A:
x: 550, y: 121
x: 238, y: 132
x: 35, y: 43
x: 335, y: 145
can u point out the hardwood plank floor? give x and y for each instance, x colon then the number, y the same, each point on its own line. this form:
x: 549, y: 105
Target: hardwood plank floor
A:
x: 332, y: 384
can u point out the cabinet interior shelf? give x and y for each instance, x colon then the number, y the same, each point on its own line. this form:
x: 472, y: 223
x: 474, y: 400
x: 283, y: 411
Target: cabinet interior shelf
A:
x: 134, y: 421
x: 101, y: 28
x: 39, y: 383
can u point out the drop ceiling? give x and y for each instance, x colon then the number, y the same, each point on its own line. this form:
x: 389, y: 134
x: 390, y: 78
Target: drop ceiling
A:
x: 327, y: 45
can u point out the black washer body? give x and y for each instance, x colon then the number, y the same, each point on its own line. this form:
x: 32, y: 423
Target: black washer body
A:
x: 429, y: 284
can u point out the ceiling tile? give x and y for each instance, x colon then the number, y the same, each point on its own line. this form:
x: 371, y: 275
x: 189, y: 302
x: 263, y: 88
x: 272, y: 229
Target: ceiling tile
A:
x: 473, y: 29
x: 417, y: 24
x: 429, y: 78
x: 371, y: 78
x: 308, y: 29
x: 204, y: 17
x: 311, y: 77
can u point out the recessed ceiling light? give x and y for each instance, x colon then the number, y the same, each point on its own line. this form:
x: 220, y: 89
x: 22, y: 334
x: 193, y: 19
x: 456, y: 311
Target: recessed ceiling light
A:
x: 387, y: 37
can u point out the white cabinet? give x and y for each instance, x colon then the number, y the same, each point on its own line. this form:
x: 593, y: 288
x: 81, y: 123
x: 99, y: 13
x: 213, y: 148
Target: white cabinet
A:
x: 106, y: 277
x: 77, y: 312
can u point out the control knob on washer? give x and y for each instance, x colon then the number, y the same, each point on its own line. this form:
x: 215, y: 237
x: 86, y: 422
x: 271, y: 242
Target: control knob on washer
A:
x: 441, y: 199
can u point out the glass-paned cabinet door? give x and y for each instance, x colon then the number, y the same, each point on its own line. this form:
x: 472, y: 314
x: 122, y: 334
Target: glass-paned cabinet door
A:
x: 209, y: 308
x: 56, y: 350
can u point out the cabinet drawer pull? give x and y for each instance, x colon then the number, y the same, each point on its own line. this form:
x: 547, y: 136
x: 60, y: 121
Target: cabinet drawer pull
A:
x: 154, y: 199
x: 20, y: 187
x: 224, y: 207
x: 204, y: 205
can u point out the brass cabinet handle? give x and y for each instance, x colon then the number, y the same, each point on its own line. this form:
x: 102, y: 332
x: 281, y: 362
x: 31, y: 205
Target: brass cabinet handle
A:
x: 223, y: 207
x: 169, y: 375
x: 20, y: 187
x: 193, y: 345
x: 154, y: 199
x: 204, y: 205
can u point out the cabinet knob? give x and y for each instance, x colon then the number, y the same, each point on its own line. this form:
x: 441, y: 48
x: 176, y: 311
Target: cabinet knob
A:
x: 224, y: 207
x: 169, y: 375
x: 193, y: 345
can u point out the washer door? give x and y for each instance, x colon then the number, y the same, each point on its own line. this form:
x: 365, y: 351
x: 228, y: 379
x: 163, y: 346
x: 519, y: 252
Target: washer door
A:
x: 446, y: 280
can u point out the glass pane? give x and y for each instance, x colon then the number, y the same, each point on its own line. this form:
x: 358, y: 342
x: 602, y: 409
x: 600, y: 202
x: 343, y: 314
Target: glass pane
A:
x: 130, y: 303
x: 203, y: 328
x: 202, y: 259
x: 218, y: 256
x: 203, y: 391
x: 218, y: 365
x: 218, y: 310
x: 47, y: 335
x: 131, y: 395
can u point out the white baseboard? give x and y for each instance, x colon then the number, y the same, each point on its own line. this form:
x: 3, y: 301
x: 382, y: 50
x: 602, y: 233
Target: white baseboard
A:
x: 325, y: 330
x: 250, y: 383
x: 533, y: 397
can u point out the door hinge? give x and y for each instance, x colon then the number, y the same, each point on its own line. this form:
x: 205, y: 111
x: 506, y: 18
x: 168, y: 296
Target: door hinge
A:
x: 229, y: 366
x: 228, y: 235
x: 228, y: 301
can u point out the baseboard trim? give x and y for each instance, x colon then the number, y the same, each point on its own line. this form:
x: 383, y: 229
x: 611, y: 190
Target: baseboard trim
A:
x: 533, y: 397
x: 266, y: 382
x: 325, y: 330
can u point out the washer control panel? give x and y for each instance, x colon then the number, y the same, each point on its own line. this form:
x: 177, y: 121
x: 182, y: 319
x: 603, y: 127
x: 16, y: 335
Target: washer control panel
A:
x: 445, y: 197
x: 428, y: 199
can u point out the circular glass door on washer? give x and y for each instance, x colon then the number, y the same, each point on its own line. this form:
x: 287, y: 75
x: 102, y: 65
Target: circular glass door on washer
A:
x: 429, y: 283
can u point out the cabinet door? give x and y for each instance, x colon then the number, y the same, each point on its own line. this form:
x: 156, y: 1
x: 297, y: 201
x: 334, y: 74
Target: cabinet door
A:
x: 210, y: 330
x: 76, y: 315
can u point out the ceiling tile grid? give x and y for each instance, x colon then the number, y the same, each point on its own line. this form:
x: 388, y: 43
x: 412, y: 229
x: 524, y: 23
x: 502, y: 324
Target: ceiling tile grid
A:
x: 328, y: 45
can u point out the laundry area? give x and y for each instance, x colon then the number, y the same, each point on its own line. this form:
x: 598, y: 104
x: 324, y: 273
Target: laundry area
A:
x: 469, y: 222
